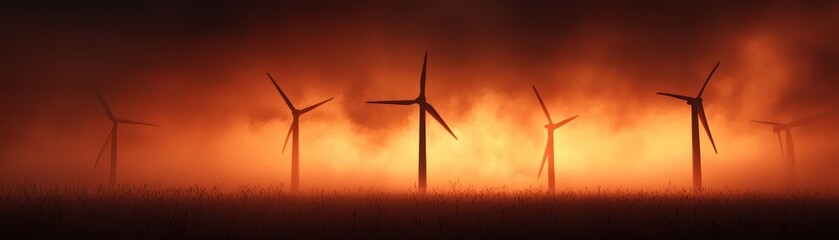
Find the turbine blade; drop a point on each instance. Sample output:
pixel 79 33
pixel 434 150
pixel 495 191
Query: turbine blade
pixel 287 102
pixel 563 122
pixel 288 135
pixel 430 110
pixel 103 149
pixel 705 124
pixel 544 158
pixel 686 98
pixel 706 80
pixel 810 119
pixel 544 108
pixel 781 143
pixel 126 121
pixel 422 76
pixel 770 123
pixel 395 102
pixel 305 110
pixel 104 103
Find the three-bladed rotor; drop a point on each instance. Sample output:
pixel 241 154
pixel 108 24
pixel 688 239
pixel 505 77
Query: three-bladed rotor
pixel 294 111
pixel 421 100
pixel 697 103
pixel 777 127
pixel 551 126
pixel 114 121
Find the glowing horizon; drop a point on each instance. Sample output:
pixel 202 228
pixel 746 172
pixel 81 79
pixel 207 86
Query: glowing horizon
pixel 222 121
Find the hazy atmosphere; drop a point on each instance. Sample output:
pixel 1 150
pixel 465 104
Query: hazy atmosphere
pixel 199 71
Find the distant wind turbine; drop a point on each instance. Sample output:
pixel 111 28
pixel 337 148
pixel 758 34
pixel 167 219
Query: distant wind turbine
pixel 697 111
pixel 113 136
pixel 424 107
pixel 790 152
pixel 549 147
pixel 294 131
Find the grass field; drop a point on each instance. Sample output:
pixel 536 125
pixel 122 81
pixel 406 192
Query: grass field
pixel 153 212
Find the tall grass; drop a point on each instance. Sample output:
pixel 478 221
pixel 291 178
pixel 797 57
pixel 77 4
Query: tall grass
pixel 33 210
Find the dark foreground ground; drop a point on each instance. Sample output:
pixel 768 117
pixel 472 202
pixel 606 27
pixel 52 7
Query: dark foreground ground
pixel 37 211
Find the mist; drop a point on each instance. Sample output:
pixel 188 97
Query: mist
pixel 199 71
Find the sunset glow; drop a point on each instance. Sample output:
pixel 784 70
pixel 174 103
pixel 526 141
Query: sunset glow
pixel 222 122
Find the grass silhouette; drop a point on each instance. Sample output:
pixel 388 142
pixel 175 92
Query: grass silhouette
pixel 30 210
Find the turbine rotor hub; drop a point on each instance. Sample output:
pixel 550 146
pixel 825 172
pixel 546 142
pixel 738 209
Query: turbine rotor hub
pixel 695 101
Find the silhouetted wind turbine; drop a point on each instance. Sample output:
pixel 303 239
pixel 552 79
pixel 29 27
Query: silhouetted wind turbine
pixel 549 147
pixel 697 111
pixel 295 130
pixel 790 152
pixel 424 107
pixel 113 136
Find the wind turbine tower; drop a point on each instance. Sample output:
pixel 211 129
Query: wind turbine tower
pixel 697 112
pixel 424 107
pixel 294 132
pixel 549 148
pixel 113 136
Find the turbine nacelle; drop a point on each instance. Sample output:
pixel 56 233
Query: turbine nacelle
pixel 780 128
pixel 695 101
pixel 554 126
pixel 689 100
pixel 776 127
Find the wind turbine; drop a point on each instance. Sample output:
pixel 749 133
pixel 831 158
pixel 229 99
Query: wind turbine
pixel 789 157
pixel 697 111
pixel 295 130
pixel 549 148
pixel 113 136
pixel 424 107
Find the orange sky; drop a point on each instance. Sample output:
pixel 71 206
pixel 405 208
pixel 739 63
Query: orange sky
pixel 199 71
